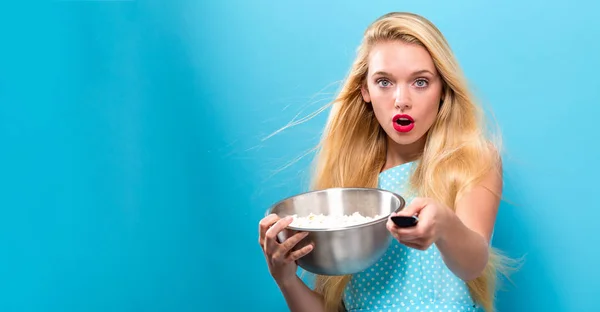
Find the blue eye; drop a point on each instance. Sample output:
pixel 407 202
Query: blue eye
pixel 384 83
pixel 421 83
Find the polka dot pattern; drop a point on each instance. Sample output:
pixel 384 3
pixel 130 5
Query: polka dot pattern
pixel 407 279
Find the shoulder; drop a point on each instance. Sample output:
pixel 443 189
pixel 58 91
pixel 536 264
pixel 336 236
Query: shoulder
pixel 493 175
pixel 477 207
pixel 494 152
pixel 480 164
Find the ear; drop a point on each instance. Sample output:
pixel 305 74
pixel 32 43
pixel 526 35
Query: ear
pixel 443 95
pixel 365 93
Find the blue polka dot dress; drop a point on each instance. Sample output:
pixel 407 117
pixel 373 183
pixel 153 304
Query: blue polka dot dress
pixel 407 279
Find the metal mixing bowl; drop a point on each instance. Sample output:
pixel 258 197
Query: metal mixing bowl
pixel 341 250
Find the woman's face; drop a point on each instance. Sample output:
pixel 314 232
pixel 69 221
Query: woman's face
pixel 404 88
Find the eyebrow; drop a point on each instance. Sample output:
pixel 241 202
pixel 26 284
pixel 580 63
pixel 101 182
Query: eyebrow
pixel 418 72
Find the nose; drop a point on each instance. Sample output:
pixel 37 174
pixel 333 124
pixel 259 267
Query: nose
pixel 401 98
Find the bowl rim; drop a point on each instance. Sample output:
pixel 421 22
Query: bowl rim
pixel 401 206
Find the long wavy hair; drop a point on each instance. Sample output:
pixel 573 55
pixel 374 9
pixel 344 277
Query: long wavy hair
pixel 458 151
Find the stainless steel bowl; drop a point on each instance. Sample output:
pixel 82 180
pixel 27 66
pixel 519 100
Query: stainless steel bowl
pixel 341 250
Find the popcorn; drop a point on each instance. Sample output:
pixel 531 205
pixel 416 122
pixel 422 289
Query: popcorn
pixel 320 221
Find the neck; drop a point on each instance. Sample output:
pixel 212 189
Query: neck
pixel 398 154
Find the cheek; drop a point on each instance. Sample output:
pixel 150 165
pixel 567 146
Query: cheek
pixel 431 113
pixel 430 109
pixel 382 104
pixel 381 97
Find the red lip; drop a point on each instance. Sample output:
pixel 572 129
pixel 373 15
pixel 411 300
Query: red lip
pixel 403 127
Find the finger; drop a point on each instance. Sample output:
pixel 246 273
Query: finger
pixel 413 208
pixel 271 234
pixel 390 225
pixel 264 225
pixel 409 234
pixel 420 243
pixel 289 243
pixel 293 256
pixel 407 238
pixel 413 244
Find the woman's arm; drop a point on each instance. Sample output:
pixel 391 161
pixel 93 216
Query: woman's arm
pixel 300 298
pixel 463 235
pixel 281 261
pixel 465 241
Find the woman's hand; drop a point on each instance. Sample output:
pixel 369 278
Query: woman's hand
pixel 281 262
pixel 433 218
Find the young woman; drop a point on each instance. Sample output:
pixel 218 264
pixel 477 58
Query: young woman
pixel 405 121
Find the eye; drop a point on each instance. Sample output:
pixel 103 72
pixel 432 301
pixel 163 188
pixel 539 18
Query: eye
pixel 384 83
pixel 421 83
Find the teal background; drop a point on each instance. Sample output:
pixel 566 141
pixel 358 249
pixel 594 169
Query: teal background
pixel 133 166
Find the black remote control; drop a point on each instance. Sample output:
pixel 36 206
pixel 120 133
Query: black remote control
pixel 403 221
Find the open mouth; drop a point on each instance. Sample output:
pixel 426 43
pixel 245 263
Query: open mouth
pixel 403 123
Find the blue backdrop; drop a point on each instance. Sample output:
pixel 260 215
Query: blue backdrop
pixel 133 166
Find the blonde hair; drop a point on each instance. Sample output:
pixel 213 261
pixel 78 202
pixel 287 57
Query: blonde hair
pixel 457 151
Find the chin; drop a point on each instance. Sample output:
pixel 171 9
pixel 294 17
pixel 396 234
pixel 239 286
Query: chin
pixel 408 138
